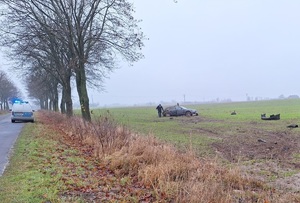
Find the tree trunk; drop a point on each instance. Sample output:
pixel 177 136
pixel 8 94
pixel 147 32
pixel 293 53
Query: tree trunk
pixel 50 105
pixel 67 92
pixel 6 106
pixel 82 92
pixel 55 100
pixel 55 104
pixel 42 103
pixel 46 100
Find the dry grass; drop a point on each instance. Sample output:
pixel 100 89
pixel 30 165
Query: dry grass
pixel 3 112
pixel 174 176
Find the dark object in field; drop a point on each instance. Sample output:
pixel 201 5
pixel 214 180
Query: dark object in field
pixel 261 140
pixel 272 117
pixel 292 126
pixel 179 111
pixel 233 113
pixel 159 109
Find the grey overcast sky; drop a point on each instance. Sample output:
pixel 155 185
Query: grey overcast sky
pixel 209 49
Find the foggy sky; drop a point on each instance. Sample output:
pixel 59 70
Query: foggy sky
pixel 201 50
pixel 211 49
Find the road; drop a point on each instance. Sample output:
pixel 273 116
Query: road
pixel 9 132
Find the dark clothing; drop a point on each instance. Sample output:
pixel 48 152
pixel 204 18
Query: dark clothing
pixel 159 109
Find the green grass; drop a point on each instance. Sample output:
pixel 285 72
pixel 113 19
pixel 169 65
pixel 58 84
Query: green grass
pixel 35 171
pixel 145 120
pixel 22 181
pixel 251 111
pixel 213 118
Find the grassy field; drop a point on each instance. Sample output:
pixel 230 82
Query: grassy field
pixel 28 177
pixel 54 158
pixel 214 121
pixel 45 168
pixel 266 149
pixel 246 111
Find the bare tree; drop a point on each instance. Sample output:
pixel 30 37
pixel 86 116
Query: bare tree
pixel 7 90
pixel 36 47
pixel 43 87
pixel 93 34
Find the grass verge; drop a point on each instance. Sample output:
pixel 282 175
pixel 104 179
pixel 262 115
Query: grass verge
pixel 68 160
pixel 28 178
pixel 47 166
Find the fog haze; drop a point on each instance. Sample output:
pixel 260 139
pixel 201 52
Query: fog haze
pixel 210 50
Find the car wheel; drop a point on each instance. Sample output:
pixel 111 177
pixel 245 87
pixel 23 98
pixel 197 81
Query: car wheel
pixel 166 114
pixel 13 121
pixel 188 113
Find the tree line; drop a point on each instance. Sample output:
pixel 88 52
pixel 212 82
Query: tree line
pixel 8 90
pixel 61 44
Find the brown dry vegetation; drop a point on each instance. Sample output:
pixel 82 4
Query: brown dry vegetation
pixel 154 171
pixel 3 112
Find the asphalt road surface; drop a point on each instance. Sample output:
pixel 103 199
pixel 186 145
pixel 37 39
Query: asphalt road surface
pixel 9 132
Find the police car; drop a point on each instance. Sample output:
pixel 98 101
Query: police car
pixel 21 111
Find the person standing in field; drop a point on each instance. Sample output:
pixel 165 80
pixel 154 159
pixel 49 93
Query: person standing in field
pixel 159 109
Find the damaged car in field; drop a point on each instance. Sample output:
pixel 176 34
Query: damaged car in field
pixel 179 111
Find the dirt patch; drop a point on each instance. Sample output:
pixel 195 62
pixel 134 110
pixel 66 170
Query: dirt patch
pixel 247 141
pixel 274 151
pixel 291 183
pixel 279 146
pixel 268 150
pixel 194 119
pixel 253 140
